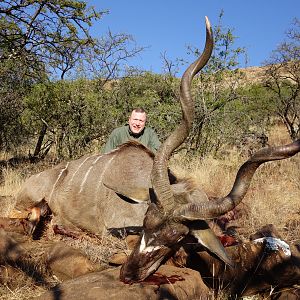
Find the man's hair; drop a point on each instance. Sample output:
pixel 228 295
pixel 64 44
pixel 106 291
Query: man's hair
pixel 139 110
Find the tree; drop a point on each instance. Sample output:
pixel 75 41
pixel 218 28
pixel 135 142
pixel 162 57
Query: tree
pixel 108 59
pixel 283 80
pixel 47 32
pixel 14 84
pixel 73 115
pixel 35 37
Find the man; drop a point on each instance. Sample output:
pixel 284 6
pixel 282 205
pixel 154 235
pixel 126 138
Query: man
pixel 134 130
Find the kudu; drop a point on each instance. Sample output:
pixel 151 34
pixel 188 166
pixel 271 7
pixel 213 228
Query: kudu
pixel 170 218
pixel 111 191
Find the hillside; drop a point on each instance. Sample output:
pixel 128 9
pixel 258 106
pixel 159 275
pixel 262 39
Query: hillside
pixel 254 74
pixel 287 71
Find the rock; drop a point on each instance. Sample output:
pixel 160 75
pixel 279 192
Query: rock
pixel 168 283
pixel 42 257
pixel 66 262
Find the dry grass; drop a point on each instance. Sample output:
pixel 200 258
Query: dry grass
pixel 13 181
pixel 27 290
pixel 273 197
pixel 98 250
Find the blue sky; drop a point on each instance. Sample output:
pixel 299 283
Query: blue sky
pixel 169 26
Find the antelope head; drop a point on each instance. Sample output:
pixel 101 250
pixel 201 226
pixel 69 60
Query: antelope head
pixel 172 216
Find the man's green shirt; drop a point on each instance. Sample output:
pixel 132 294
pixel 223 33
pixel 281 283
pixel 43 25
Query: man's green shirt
pixel 120 135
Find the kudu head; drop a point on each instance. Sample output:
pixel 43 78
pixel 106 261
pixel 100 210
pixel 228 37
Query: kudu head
pixel 168 219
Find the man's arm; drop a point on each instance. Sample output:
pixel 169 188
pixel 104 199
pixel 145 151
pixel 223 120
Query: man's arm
pixel 154 142
pixel 111 143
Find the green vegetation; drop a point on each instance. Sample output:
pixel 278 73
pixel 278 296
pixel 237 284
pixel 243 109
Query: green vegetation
pixel 62 91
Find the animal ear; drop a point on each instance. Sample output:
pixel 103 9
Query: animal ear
pixel 206 237
pixel 127 175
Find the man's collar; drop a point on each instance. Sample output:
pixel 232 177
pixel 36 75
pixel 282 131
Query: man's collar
pixel 135 135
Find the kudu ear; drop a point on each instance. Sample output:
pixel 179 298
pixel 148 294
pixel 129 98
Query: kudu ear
pixel 127 175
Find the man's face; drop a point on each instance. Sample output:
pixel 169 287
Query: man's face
pixel 137 122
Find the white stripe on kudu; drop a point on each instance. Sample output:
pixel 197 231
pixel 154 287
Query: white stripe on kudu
pixel 71 180
pixel 87 173
pixel 55 183
pixel 102 174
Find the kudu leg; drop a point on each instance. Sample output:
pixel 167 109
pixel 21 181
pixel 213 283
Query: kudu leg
pixel 23 225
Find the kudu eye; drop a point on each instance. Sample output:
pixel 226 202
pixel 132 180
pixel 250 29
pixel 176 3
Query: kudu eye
pixel 173 233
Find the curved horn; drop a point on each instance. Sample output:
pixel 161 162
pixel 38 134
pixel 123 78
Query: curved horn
pixel 159 175
pixel 243 179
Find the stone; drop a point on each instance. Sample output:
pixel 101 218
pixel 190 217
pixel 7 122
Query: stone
pixel 66 262
pixel 168 282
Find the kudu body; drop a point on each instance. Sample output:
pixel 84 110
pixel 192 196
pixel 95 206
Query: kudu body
pixel 98 192
pixel 113 190
pixel 94 192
